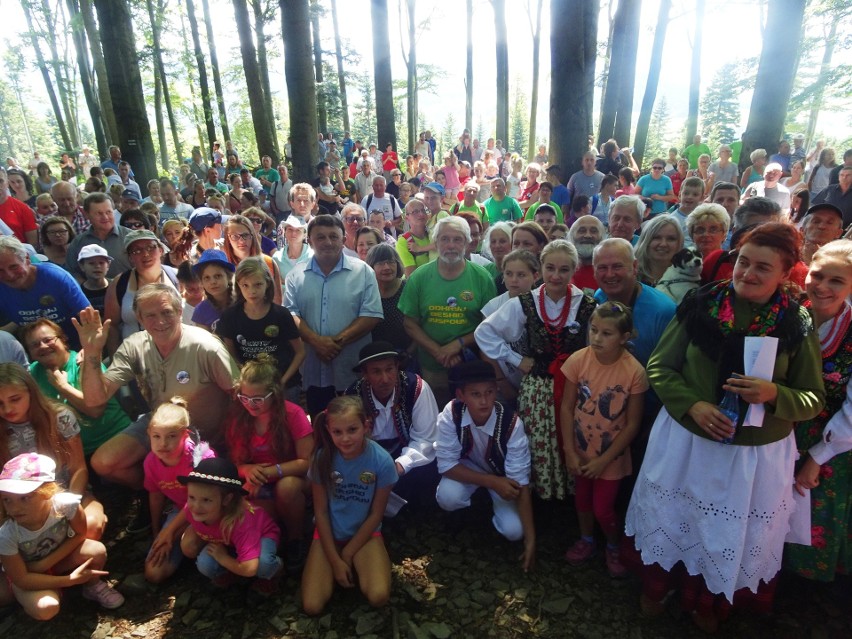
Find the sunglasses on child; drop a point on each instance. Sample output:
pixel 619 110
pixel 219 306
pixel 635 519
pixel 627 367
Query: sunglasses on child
pixel 254 402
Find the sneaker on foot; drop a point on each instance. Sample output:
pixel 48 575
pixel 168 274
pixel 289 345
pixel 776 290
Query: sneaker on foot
pixel 580 552
pixel 613 564
pixel 141 521
pixel 103 594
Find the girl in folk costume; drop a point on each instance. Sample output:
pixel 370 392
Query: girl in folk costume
pixel 555 318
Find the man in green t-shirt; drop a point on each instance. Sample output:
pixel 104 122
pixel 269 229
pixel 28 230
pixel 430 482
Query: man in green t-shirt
pixel 442 302
pixel 695 150
pixel 500 207
pixel 266 174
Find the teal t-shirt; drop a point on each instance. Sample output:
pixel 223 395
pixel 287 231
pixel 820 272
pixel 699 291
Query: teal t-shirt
pixel 267 174
pixel 446 309
pixel 506 210
pixel 93 431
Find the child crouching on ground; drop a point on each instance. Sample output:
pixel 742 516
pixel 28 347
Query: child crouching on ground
pixel 481 445
pixel 43 545
pixel 228 537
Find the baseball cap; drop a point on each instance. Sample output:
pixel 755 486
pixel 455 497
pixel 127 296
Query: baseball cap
pixel 25 473
pixel 436 187
pixel 825 206
pixel 140 235
pixel 130 194
pixel 93 250
pixel 203 217
pixel 294 222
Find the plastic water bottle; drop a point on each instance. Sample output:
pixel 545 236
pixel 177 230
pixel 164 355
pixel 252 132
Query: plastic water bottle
pixel 730 407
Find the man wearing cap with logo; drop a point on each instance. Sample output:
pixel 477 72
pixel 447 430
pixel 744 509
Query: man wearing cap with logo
pixel 433 198
pixel 822 224
pixel 129 200
pixel 102 231
pixel 335 302
pixel 207 224
pixel 29 290
pixel 166 358
pixel 404 415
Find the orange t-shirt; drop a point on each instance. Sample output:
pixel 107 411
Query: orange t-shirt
pixel 603 391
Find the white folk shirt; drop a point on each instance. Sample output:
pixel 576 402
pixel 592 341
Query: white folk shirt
pixel 420 450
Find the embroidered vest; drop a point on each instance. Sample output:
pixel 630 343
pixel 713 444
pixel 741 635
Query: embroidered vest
pixel 408 390
pixel 538 344
pixel 498 443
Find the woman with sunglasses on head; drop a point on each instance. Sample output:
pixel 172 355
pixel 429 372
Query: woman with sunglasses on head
pixel 260 220
pixel 241 241
pixel 135 220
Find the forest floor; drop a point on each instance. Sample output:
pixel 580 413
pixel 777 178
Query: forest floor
pixel 453 576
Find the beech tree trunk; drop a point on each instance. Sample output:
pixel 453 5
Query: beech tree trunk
pixel 86 79
pixel 774 84
pixel 125 84
pixel 301 91
pixel 263 65
pixel 104 97
pixel 536 33
pixel 59 73
pixel 572 62
pixel 188 59
pixel 385 125
pixel 652 83
pixel 824 68
pixel 202 77
pixel 158 118
pixel 322 111
pixel 411 72
pixel 156 17
pixel 341 77
pixel 261 119
pixel 695 75
pixel 217 79
pixel 502 50
pixel 468 74
pixel 617 108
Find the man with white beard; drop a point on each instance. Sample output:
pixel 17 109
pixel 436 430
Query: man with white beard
pixel 585 234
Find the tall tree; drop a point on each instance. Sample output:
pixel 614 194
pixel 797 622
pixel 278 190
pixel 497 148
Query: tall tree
pixel 411 88
pixel 64 85
pixel 774 83
pixel 572 81
pixel 158 118
pixel 14 67
pixel 125 84
pixel 301 91
pixel 261 118
pixel 652 83
pixel 214 67
pixel 617 111
pixel 45 74
pixel 695 74
pixel 536 35
pixel 86 79
pixel 260 19
pixel 341 76
pixel 322 113
pixel 603 81
pixel 468 69
pixel 202 77
pixel 382 78
pixel 502 50
pixel 99 64
pixel 155 15
pixel 720 109
pixel 188 60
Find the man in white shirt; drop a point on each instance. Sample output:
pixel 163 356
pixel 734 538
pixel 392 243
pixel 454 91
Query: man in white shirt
pixel 381 200
pixel 171 208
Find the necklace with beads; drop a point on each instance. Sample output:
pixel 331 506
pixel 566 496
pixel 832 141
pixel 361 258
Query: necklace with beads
pixel 836 332
pixel 554 326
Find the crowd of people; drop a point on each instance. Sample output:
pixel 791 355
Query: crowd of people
pixel 248 355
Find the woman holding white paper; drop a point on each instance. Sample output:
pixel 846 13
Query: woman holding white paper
pixel 825 467
pixel 711 517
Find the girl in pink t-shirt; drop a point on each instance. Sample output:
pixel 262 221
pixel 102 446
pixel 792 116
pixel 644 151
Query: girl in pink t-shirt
pixel 451 172
pixel 601 412
pixel 271 442
pixel 173 453
pixel 227 536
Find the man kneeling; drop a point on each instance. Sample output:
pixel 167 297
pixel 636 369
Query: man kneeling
pixel 482 445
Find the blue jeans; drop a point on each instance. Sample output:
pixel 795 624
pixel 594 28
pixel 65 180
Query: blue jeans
pixel 269 560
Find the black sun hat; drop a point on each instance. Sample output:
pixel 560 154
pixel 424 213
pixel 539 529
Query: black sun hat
pixel 373 351
pixel 216 471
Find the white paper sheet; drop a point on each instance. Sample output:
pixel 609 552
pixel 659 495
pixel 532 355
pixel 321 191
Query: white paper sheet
pixel 800 520
pixel 759 361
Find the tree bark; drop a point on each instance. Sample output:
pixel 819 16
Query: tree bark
pixel 606 62
pixel 695 74
pixel 45 74
pixel 411 88
pixel 502 50
pixel 7 132
pixel 652 83
pixel 214 65
pixel 261 119
pixel 301 92
pixel 156 16
pixel 202 77
pixel 572 81
pixel 536 33
pixel 158 118
pixel 263 65
pixel 125 84
pixel 187 61
pixel 468 74
pixel 774 83
pixel 341 78
pixel 617 108
pixel 383 79
pixel 322 111
pixel 99 64
pixel 824 68
pixel 86 79
pixel 62 83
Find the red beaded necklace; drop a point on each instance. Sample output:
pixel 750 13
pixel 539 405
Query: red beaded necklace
pixel 836 332
pixel 554 326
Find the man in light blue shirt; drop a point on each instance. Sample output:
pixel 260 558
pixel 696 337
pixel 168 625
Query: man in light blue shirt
pixel 335 302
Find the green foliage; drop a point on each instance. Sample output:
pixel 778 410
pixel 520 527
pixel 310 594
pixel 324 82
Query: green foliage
pixel 364 120
pixel 720 111
pixel 447 140
pixel 658 142
pixel 480 132
pixel 519 125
